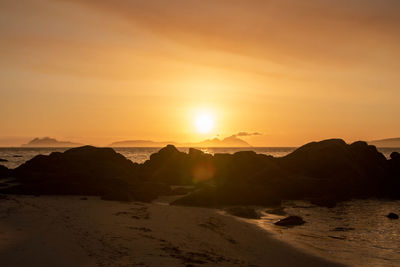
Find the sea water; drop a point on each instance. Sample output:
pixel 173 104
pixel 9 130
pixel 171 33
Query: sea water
pixel 355 232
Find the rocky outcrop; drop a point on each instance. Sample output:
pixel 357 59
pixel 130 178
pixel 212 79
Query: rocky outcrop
pixel 4 172
pixel 325 172
pixel 290 221
pixel 3 160
pixel 173 167
pixel 81 171
pixel 336 170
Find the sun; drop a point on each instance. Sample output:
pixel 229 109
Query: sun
pixel 204 123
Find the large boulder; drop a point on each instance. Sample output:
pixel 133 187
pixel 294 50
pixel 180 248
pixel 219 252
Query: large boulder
pixel 325 172
pixel 4 172
pixel 392 183
pixel 171 166
pixel 337 169
pixel 83 171
pixel 82 162
pixel 168 165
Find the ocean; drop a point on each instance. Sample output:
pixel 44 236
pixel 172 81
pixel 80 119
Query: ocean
pixel 354 232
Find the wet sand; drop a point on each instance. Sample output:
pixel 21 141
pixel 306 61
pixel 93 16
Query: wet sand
pixel 80 231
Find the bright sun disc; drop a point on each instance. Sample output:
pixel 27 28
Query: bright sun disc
pixel 204 123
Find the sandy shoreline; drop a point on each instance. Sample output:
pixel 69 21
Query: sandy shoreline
pixel 79 231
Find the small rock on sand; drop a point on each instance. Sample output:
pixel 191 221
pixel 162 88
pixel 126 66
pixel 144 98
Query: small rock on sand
pixel 393 216
pixel 290 221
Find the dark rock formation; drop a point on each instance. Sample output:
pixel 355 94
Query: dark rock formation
pixel 173 167
pixel 392 183
pixel 395 155
pixel 243 212
pixel 392 216
pixel 290 221
pixel 324 172
pixel 180 191
pixel 83 162
pixel 3 160
pixel 337 170
pixel 4 172
pixel 82 171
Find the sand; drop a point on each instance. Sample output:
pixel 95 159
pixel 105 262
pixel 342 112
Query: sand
pixel 80 231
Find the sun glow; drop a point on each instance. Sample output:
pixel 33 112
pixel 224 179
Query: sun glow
pixel 204 123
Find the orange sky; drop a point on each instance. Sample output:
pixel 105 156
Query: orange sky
pixel 295 71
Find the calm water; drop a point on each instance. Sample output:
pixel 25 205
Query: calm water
pixel 355 232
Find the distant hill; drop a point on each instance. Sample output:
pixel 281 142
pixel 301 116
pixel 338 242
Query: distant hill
pixel 389 142
pixel 231 141
pixel 50 142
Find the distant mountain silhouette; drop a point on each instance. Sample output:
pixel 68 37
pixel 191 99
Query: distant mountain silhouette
pixel 50 142
pixel 389 142
pixel 231 141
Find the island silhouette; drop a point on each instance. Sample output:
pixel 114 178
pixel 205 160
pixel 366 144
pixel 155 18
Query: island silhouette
pixel 50 142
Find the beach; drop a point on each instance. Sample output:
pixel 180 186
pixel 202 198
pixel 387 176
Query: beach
pixel 88 231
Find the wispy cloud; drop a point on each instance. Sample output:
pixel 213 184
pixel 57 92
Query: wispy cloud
pixel 245 134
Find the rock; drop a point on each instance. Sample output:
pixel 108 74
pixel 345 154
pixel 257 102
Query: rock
pixel 84 162
pixel 180 191
pixel 3 160
pixel 4 172
pixel 290 221
pixel 169 166
pixel 334 168
pixel 395 155
pixel 276 211
pixel 343 229
pixel 393 216
pixel 243 212
pixel 85 170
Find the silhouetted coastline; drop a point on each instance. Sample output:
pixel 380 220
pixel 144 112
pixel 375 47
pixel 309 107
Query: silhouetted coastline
pixel 324 172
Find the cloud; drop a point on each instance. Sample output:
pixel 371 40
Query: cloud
pixel 286 31
pixel 244 134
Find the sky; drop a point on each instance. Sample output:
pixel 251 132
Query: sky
pixel 294 71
